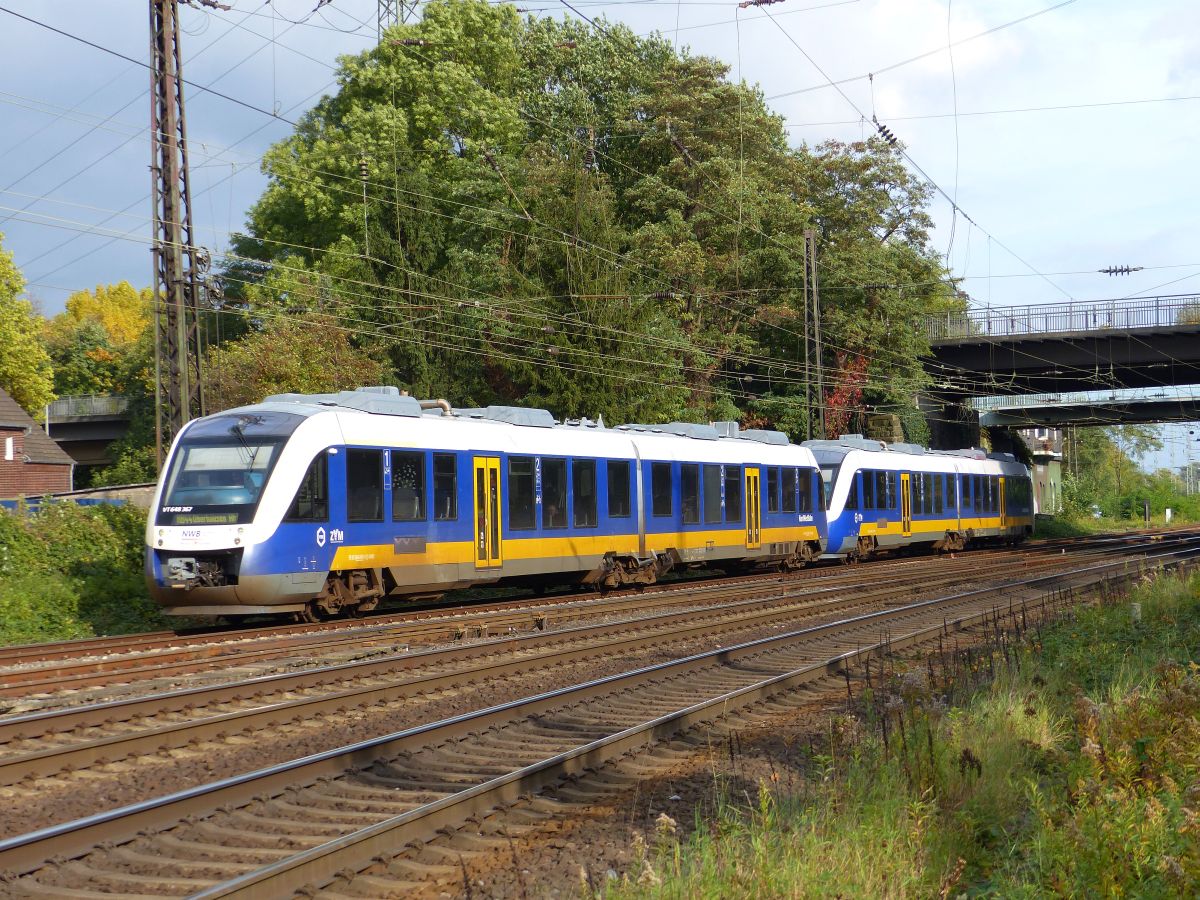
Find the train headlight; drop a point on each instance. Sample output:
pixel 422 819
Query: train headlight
pixel 160 542
pixel 236 541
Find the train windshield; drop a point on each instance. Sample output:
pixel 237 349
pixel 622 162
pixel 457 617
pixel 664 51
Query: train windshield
pixel 220 468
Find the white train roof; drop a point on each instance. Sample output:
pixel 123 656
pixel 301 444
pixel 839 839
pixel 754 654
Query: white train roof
pixel 385 416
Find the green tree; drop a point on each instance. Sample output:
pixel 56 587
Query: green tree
pixel 25 371
pixel 286 356
pixel 89 341
pixel 572 216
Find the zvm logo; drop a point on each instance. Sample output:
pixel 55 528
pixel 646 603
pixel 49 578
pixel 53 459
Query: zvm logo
pixel 320 537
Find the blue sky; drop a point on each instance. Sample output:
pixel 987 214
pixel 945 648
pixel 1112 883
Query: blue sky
pixel 1072 148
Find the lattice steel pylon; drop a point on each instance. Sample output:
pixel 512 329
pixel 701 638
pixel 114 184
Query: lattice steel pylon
pixel 394 12
pixel 179 391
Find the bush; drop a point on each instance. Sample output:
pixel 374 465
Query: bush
pixel 69 571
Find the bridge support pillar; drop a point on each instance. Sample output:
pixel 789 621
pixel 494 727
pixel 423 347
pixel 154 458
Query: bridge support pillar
pixel 952 424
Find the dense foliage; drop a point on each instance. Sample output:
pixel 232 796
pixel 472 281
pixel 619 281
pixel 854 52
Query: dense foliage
pixel 574 217
pixel 68 571
pixel 25 371
pixel 1102 476
pixel 92 342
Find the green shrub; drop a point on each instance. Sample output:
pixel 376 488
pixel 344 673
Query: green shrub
pixel 70 571
pixel 40 607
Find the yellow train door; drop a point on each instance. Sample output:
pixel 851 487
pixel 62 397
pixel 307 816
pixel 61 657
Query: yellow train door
pixel 753 511
pixel 488 552
pixel 905 504
pixel 1003 514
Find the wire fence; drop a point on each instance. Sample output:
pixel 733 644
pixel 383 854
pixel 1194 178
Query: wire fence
pixel 1055 318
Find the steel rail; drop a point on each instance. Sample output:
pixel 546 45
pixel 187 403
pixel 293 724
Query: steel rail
pixel 101 672
pixel 317 866
pixel 56 721
pixel 54 651
pixel 27 852
pixel 653 630
pixel 22 654
pixel 19 654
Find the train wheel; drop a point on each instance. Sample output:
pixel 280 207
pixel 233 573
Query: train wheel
pixel 309 615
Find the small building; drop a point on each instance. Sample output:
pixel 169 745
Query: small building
pixel 1045 446
pixel 30 463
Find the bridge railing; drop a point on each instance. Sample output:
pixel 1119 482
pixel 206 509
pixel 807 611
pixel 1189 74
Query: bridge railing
pixel 1091 315
pixel 1182 394
pixel 99 405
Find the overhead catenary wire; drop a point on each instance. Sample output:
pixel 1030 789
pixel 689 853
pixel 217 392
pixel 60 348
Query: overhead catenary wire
pixel 908 157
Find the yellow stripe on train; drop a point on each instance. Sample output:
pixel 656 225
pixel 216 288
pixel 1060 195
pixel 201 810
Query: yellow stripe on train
pixel 411 552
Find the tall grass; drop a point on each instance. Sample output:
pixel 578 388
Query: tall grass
pixel 1074 772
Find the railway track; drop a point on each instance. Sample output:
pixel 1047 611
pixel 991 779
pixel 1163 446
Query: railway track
pixel 38 746
pixel 30 681
pixel 57 651
pixel 215 641
pixel 270 832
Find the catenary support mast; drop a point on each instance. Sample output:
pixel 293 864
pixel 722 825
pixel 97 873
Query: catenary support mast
pixel 179 394
pixel 395 12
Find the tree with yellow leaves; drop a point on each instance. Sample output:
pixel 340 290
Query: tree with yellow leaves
pixel 90 340
pixel 25 371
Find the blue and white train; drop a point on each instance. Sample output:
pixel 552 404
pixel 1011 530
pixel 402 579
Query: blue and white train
pixel 324 504
pixel 882 497
pixel 321 504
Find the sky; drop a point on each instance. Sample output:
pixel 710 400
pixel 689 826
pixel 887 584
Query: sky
pixel 1061 135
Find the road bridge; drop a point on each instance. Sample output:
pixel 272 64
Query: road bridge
pixel 1089 408
pixel 1149 342
pixel 86 427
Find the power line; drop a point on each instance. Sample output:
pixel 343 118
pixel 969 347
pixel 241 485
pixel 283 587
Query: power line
pixel 145 65
pixel 903 152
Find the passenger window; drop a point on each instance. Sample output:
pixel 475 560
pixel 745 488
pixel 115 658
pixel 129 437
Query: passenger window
pixel 445 487
pixel 806 490
pixel 881 491
pixel 789 488
pixel 311 503
pixel 364 485
pixel 868 489
pixel 689 491
pixel 660 489
pixel 520 493
pixel 712 494
pixel 583 481
pixel 733 493
pixel 772 489
pixel 554 493
pixel 618 489
pixel 408 486
pixel 938 485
